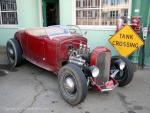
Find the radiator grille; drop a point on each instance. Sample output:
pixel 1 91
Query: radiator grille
pixel 103 63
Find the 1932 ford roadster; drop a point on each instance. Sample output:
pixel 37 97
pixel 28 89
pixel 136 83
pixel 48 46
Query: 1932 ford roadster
pixel 65 52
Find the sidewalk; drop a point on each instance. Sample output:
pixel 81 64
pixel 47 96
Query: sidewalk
pixel 30 89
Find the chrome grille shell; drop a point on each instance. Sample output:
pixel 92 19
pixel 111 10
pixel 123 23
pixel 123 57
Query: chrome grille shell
pixel 103 63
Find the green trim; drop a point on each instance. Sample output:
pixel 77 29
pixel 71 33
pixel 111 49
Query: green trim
pixel 44 14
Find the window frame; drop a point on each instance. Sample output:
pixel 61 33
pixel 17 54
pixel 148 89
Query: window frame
pixel 95 27
pixel 8 25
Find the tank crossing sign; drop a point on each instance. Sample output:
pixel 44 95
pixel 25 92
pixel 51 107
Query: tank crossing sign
pixel 126 41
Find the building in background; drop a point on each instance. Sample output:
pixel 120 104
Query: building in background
pixel 8 13
pixel 97 17
pixel 101 12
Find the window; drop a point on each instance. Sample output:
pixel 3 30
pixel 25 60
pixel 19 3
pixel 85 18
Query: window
pixel 100 12
pixel 8 12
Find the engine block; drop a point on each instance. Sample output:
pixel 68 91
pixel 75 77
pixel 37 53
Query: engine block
pixel 79 56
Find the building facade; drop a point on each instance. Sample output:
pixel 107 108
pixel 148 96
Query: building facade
pixel 97 17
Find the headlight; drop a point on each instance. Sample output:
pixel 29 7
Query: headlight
pixel 122 65
pixel 94 71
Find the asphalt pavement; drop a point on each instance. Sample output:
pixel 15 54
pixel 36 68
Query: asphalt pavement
pixel 30 89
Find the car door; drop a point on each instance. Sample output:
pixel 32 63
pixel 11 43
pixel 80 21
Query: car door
pixel 51 55
pixel 36 49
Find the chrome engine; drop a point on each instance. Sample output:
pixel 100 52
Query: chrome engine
pixel 79 56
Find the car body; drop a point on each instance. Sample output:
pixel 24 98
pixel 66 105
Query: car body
pixel 65 52
pixel 46 51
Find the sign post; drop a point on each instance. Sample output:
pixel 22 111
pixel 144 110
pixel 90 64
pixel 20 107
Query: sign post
pixel 126 41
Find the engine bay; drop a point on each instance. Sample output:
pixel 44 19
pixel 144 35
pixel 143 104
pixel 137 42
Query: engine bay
pixel 80 56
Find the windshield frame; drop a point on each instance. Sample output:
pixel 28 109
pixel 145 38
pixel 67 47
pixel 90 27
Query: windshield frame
pixel 51 31
pixel 52 35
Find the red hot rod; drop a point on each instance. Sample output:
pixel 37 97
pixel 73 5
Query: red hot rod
pixel 65 52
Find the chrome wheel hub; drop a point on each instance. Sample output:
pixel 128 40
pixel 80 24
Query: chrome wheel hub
pixel 11 51
pixel 69 85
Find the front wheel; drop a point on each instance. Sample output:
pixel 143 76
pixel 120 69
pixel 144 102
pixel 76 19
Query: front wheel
pixel 125 75
pixel 72 84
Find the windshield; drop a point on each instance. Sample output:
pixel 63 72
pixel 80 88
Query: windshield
pixel 59 30
pixel 55 31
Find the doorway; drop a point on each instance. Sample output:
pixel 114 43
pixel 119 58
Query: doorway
pixel 50 12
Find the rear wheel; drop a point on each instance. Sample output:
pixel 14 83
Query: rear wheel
pixel 125 75
pixel 14 52
pixel 72 84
